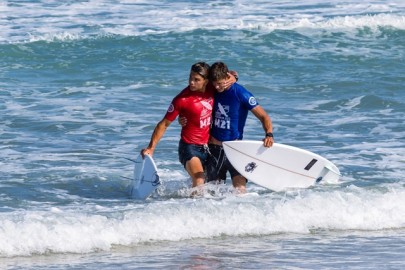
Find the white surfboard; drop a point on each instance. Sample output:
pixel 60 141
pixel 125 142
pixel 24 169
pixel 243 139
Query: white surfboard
pixel 146 179
pixel 281 166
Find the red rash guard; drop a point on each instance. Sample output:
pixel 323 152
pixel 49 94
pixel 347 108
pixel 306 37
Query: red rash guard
pixel 197 108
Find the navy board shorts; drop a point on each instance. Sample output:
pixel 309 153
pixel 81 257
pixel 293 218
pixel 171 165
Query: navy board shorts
pixel 218 165
pixel 188 151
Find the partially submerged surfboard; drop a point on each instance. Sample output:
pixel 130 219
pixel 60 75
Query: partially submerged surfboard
pixel 281 166
pixel 146 179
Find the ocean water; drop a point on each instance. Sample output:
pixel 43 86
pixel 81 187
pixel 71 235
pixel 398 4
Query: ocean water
pixel 83 83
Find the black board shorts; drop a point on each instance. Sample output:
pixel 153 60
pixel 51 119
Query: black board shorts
pixel 188 151
pixel 218 165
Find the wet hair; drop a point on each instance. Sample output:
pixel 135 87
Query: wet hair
pixel 218 71
pixel 201 68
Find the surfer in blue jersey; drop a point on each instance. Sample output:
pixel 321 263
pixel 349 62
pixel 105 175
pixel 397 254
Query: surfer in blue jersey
pixel 231 107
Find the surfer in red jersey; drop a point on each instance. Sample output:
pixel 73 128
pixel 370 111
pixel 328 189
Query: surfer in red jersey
pixel 195 103
pixel 230 111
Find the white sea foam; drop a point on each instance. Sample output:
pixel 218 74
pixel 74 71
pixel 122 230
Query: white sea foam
pixel 68 230
pixel 35 22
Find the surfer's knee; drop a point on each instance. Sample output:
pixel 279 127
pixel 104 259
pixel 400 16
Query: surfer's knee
pixel 196 171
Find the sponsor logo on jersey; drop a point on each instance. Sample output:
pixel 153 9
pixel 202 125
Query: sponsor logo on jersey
pixel 207 105
pixel 206 110
pixel 171 108
pixel 222 120
pixel 252 101
pixel 205 122
pixel 223 110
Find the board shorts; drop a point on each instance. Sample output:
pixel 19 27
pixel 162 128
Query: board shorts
pixel 218 165
pixel 188 151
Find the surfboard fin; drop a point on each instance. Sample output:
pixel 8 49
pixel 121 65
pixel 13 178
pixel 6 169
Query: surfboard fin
pixel 329 175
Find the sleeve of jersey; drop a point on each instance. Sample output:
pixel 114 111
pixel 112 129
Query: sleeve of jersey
pixel 173 110
pixel 247 98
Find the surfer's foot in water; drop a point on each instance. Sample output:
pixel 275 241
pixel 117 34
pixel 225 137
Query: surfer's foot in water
pixel 239 183
pixel 240 190
pixel 197 191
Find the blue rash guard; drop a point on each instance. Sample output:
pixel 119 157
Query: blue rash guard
pixel 231 108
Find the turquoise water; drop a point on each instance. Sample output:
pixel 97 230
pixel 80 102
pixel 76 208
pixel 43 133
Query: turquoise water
pixel 83 83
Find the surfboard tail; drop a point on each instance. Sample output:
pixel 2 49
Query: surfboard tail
pixel 146 178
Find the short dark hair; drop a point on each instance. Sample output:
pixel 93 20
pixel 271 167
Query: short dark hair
pixel 201 68
pixel 218 71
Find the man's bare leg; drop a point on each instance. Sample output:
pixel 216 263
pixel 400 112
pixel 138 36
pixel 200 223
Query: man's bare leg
pixel 239 183
pixel 196 171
